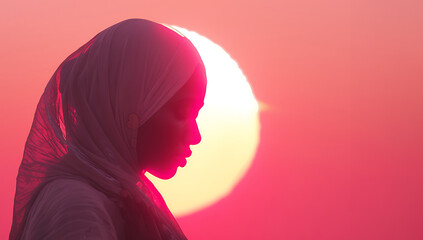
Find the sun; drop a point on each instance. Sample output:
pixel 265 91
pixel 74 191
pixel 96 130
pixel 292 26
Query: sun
pixel 229 126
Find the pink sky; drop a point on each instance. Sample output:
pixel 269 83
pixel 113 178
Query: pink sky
pixel 341 150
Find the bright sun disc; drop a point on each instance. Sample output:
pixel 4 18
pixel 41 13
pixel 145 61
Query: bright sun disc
pixel 229 126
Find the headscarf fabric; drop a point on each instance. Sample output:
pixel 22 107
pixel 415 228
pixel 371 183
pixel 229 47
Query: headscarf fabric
pixel 86 121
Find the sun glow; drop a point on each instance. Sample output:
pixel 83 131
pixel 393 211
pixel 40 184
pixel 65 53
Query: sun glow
pixel 229 125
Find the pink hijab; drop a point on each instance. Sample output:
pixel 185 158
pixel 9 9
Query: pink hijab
pixel 86 122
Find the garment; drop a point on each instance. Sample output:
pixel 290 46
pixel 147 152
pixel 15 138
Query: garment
pixel 72 209
pixel 85 131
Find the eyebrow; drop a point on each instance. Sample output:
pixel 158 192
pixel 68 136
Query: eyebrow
pixel 190 101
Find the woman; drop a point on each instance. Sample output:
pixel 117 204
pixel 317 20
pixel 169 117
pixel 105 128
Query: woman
pixel 122 104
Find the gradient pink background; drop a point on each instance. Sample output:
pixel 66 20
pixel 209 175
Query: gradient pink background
pixel 341 149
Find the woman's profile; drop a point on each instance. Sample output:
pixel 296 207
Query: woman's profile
pixel 124 103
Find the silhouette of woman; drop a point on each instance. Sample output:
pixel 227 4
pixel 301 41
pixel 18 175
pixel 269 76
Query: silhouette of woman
pixel 124 103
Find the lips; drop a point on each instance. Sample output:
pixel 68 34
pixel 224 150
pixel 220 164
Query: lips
pixel 183 162
pixel 188 154
pixel 184 157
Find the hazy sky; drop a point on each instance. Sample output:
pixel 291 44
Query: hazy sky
pixel 341 153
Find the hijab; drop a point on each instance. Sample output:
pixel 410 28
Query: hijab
pixel 86 121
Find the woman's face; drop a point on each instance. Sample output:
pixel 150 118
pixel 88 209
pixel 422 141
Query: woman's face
pixel 164 141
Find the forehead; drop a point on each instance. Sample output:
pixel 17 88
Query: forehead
pixel 194 89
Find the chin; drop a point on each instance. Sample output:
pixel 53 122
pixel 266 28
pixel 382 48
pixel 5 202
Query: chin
pixel 163 174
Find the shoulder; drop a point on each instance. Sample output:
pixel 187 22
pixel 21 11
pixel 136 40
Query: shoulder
pixel 72 209
pixel 72 192
pixel 73 196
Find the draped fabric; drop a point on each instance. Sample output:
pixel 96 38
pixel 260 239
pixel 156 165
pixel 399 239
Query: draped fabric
pixel 86 123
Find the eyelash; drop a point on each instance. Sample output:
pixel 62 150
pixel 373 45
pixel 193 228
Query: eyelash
pixel 184 113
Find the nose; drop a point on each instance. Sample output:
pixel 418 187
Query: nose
pixel 196 136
